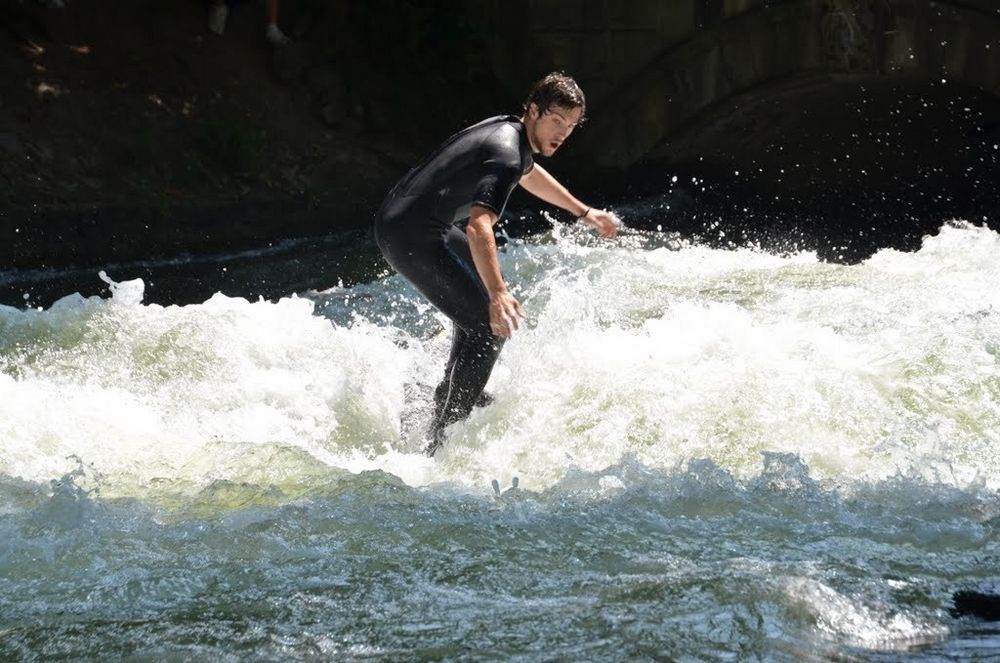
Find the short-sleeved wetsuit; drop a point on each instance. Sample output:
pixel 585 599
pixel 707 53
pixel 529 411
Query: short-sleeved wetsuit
pixel 416 232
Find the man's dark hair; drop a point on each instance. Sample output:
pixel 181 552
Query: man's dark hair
pixel 557 89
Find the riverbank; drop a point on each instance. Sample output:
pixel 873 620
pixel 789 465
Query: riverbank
pixel 129 132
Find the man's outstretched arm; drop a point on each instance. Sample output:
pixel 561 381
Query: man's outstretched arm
pixel 540 183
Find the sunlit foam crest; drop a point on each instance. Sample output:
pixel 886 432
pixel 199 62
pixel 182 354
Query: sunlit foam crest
pixel 848 619
pixel 665 352
pixel 146 389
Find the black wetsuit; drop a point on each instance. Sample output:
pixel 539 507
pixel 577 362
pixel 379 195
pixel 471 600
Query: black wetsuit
pixel 416 232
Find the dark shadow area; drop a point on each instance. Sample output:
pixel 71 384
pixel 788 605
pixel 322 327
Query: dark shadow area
pixel 274 271
pixel 843 167
pixel 132 138
pixel 129 131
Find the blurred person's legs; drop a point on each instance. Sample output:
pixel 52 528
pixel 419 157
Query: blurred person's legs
pixel 217 16
pixel 273 33
pixel 219 13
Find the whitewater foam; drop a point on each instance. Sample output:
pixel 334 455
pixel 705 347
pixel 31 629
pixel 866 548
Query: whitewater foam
pixel 665 354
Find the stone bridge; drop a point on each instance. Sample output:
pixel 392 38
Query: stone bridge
pixel 654 70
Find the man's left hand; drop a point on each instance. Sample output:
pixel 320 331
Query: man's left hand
pixel 604 222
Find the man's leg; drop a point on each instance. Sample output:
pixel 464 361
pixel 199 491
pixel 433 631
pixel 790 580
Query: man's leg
pixel 474 350
pixel 273 33
pixel 458 339
pixel 443 271
pixel 473 355
pixel 217 16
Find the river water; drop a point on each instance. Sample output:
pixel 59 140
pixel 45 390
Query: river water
pixel 718 455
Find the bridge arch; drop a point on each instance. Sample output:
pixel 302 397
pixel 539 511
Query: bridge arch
pixel 652 69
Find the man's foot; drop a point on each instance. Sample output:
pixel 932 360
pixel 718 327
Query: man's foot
pixel 274 35
pixel 217 16
pixel 436 433
pixel 437 440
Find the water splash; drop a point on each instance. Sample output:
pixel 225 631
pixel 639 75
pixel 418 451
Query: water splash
pixel 665 352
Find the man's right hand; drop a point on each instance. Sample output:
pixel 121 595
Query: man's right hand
pixel 505 314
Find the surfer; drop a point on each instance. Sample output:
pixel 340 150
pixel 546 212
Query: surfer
pixel 466 182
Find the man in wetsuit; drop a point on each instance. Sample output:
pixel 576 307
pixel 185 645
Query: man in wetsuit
pixel 471 176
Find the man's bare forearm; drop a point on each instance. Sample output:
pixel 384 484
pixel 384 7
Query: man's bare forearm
pixel 483 246
pixel 540 183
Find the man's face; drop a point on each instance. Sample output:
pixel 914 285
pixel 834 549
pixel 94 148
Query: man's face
pixel 547 130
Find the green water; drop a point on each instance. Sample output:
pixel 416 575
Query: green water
pixel 721 455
